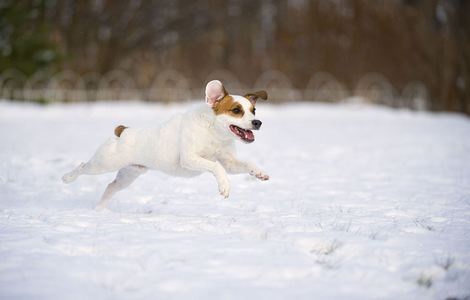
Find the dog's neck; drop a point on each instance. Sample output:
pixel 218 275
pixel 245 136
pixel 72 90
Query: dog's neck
pixel 217 130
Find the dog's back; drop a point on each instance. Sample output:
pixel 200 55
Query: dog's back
pixel 155 148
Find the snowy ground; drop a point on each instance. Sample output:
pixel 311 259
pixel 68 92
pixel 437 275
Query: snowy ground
pixel 363 203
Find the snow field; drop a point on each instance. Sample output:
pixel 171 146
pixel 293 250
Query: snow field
pixel 363 202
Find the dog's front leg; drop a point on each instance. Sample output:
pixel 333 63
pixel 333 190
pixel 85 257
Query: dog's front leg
pixel 235 166
pixel 198 163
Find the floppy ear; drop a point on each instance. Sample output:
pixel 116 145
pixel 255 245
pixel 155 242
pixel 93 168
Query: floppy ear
pixel 253 97
pixel 214 92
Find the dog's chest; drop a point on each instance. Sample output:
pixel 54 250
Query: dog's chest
pixel 211 149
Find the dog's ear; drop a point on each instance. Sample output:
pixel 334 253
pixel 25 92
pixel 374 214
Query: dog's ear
pixel 253 97
pixel 215 91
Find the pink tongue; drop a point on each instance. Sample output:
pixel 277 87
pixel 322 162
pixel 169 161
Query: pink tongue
pixel 249 135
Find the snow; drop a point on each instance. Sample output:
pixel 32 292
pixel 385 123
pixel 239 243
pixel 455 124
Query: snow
pixel 364 202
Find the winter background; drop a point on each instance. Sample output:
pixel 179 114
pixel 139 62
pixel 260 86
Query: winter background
pixel 366 138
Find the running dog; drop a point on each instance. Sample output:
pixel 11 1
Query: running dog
pixel 200 140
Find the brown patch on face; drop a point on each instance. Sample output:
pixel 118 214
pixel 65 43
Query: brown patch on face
pixel 252 109
pixel 228 106
pixel 118 130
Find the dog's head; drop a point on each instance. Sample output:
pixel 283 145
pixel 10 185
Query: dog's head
pixel 234 114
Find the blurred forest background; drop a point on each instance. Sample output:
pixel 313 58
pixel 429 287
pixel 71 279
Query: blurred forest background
pixel 403 53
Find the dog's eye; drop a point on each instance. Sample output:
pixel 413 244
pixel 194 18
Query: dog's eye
pixel 236 111
pixel 254 111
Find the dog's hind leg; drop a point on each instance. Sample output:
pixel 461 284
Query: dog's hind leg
pixel 109 157
pixel 72 175
pixel 90 168
pixel 124 178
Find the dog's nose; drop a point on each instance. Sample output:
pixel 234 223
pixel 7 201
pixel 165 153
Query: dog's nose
pixel 256 124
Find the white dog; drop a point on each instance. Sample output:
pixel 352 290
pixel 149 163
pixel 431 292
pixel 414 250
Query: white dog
pixel 201 140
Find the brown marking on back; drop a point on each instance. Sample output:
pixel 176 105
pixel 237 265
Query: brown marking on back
pixel 227 105
pixel 118 130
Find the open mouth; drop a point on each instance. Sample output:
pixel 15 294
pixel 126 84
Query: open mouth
pixel 246 135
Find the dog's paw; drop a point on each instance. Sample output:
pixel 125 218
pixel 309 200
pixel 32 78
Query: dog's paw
pixel 224 188
pixel 260 175
pixel 224 193
pixel 69 177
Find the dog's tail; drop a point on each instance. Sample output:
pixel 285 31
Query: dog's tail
pixel 118 130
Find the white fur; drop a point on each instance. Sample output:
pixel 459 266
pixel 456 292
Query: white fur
pixel 186 145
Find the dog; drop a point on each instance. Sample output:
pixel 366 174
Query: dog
pixel 200 140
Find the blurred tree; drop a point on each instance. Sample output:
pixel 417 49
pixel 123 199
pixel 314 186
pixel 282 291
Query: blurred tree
pixel 26 41
pixel 406 41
